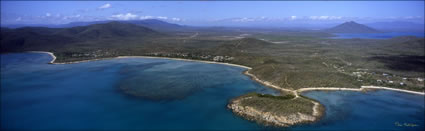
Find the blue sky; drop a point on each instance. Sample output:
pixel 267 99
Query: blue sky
pixel 212 12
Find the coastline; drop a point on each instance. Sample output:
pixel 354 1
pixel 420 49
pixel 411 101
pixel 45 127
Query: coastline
pixel 46 52
pixel 317 111
pixel 358 89
pixel 253 77
pixel 268 84
pixel 150 57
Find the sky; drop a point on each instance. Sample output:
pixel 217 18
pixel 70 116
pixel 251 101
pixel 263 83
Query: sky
pixel 212 12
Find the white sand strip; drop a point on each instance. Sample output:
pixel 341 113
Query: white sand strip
pixel 266 83
pixel 316 108
pixel 50 53
pixel 74 62
pixel 359 89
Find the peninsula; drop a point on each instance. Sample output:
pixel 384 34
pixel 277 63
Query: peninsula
pixel 288 109
pixel 290 62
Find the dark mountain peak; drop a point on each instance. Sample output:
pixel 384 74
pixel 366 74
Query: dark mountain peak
pixel 149 23
pixel 113 24
pixel 50 38
pixel 107 30
pixel 351 23
pixel 156 24
pixel 351 27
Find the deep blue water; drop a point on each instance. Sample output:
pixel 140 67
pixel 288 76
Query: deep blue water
pixel 141 93
pixel 191 95
pixel 387 35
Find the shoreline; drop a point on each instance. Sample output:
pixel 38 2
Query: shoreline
pixel 317 113
pixel 357 89
pixel 46 52
pixel 150 57
pixel 252 76
pixel 268 84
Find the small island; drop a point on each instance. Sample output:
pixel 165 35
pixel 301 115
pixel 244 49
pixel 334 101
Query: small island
pixel 286 110
pixel 290 62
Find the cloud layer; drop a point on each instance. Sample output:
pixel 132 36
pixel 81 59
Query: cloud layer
pixel 131 16
pixel 105 6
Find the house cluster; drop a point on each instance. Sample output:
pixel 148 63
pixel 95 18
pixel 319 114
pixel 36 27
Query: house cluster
pixel 359 74
pixel 194 56
pixel 222 58
pixel 95 54
pixel 390 82
pixel 402 83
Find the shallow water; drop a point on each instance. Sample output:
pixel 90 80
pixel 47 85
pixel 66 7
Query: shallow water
pixel 375 110
pixel 387 35
pixel 143 93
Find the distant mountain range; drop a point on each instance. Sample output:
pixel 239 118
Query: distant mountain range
pixel 394 26
pixel 150 23
pixel 48 38
pixel 351 27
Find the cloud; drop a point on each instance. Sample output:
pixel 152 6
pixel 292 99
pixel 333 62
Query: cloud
pixel 105 6
pixel 325 17
pixel 146 17
pixel 412 17
pixel 293 17
pixel 128 16
pixel 18 19
pixel 162 17
pixel 245 19
pixel 48 14
pixel 175 19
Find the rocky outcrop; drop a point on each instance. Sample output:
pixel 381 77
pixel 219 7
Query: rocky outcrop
pixel 270 118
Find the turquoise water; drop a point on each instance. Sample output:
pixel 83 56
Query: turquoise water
pixel 387 35
pixel 376 110
pixel 141 93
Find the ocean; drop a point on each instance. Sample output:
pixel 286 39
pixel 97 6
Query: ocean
pixel 146 93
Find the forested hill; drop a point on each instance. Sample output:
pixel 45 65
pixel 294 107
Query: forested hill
pixel 41 38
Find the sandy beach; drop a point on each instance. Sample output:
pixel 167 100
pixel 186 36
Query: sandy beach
pixel 297 92
pixel 50 53
pixel 358 89
pixel 266 83
pixel 152 57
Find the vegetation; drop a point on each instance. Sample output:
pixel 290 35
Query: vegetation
pixel 279 105
pixel 285 97
pixel 286 58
